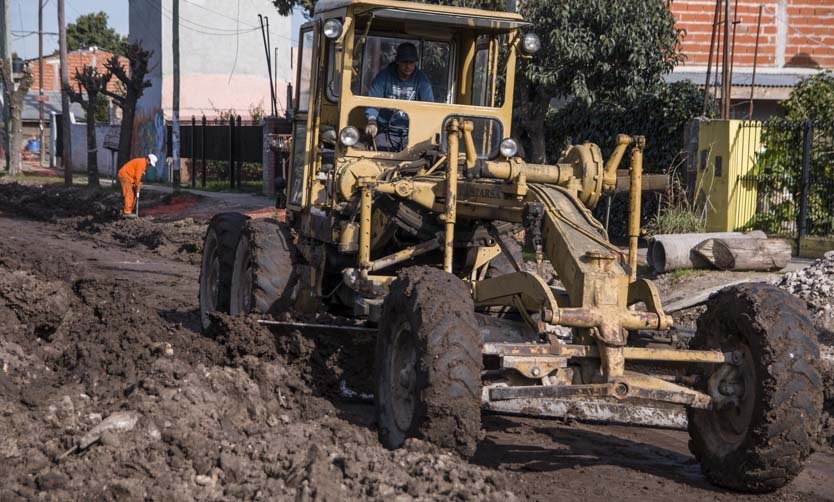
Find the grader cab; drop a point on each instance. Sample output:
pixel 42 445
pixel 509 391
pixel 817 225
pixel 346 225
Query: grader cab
pixel 411 231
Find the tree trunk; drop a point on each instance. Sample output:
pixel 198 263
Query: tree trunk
pixel 16 136
pixel 126 130
pixel 751 254
pixel 92 151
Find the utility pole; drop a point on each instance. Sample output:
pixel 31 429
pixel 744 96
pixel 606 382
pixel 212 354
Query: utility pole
pixel 175 133
pixel 40 79
pixel 66 155
pixel 6 55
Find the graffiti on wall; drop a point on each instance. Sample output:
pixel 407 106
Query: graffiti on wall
pixel 149 137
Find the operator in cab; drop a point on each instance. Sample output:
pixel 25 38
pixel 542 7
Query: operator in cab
pixel 400 80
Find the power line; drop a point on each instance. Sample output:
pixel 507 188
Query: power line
pixel 215 12
pixel 226 33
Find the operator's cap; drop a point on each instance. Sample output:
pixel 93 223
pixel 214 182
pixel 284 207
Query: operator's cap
pixel 152 159
pixel 406 53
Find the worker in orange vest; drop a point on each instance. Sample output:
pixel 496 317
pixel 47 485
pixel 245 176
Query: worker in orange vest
pixel 130 177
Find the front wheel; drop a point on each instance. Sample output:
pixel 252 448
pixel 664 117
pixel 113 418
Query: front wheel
pixel 264 277
pixel 768 407
pixel 428 362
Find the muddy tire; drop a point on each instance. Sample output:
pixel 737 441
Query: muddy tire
pixel 219 247
pixel 428 362
pixel 263 278
pixel 759 441
pixel 502 264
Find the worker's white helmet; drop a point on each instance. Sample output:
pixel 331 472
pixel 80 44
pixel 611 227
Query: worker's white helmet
pixel 152 159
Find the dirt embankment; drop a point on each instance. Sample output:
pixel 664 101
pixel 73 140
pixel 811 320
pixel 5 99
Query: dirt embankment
pixel 227 415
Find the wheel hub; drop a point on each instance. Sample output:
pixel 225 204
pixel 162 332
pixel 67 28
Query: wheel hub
pixel 732 390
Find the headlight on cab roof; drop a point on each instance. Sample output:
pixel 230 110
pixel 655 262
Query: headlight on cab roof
pixel 332 28
pixel 349 136
pixel 531 44
pixel 508 148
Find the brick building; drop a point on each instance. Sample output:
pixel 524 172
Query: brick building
pixel 52 85
pixel 796 40
pixel 75 60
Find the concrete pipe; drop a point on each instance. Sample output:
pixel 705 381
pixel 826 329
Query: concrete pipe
pixel 669 252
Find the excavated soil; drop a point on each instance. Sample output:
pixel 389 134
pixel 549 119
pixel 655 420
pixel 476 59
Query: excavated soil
pixel 108 389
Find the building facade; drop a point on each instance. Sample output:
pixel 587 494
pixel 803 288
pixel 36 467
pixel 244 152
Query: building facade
pixel 222 58
pixel 796 39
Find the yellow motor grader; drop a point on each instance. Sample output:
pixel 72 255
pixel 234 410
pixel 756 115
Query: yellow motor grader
pixel 409 227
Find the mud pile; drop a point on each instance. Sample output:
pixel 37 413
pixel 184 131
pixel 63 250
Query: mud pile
pixel 231 415
pixel 96 214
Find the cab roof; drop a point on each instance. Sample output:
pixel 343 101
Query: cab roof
pixel 438 14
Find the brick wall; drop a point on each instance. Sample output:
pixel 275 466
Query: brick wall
pixel 793 32
pixel 75 59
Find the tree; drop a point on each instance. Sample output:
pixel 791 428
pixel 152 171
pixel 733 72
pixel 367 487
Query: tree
pixel 91 30
pixel 14 97
pixel 134 83
pixel 93 82
pixel 593 50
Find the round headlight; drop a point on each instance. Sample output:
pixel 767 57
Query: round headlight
pixel 531 43
pixel 349 136
pixel 332 28
pixel 508 148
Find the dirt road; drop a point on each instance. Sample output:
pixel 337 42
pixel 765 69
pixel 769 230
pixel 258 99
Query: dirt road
pixel 99 315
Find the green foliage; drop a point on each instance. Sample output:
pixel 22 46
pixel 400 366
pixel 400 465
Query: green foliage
pixel 660 115
pixel 91 30
pixel 812 99
pixel 602 49
pixel 676 220
pixel 779 163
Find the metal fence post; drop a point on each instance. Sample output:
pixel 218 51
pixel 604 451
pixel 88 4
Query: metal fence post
pixel 193 157
pixel 239 152
pixel 232 151
pixel 804 181
pixel 203 149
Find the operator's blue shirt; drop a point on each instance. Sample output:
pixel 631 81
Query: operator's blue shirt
pixel 387 84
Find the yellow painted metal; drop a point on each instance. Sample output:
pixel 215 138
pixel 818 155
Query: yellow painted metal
pixel 634 194
pixel 404 254
pixel 469 144
pixel 480 257
pixel 727 150
pixel 609 179
pixel 365 227
pixel 451 203
pixel 652 354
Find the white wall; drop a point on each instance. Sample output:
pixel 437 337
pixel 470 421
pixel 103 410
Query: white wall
pixel 106 162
